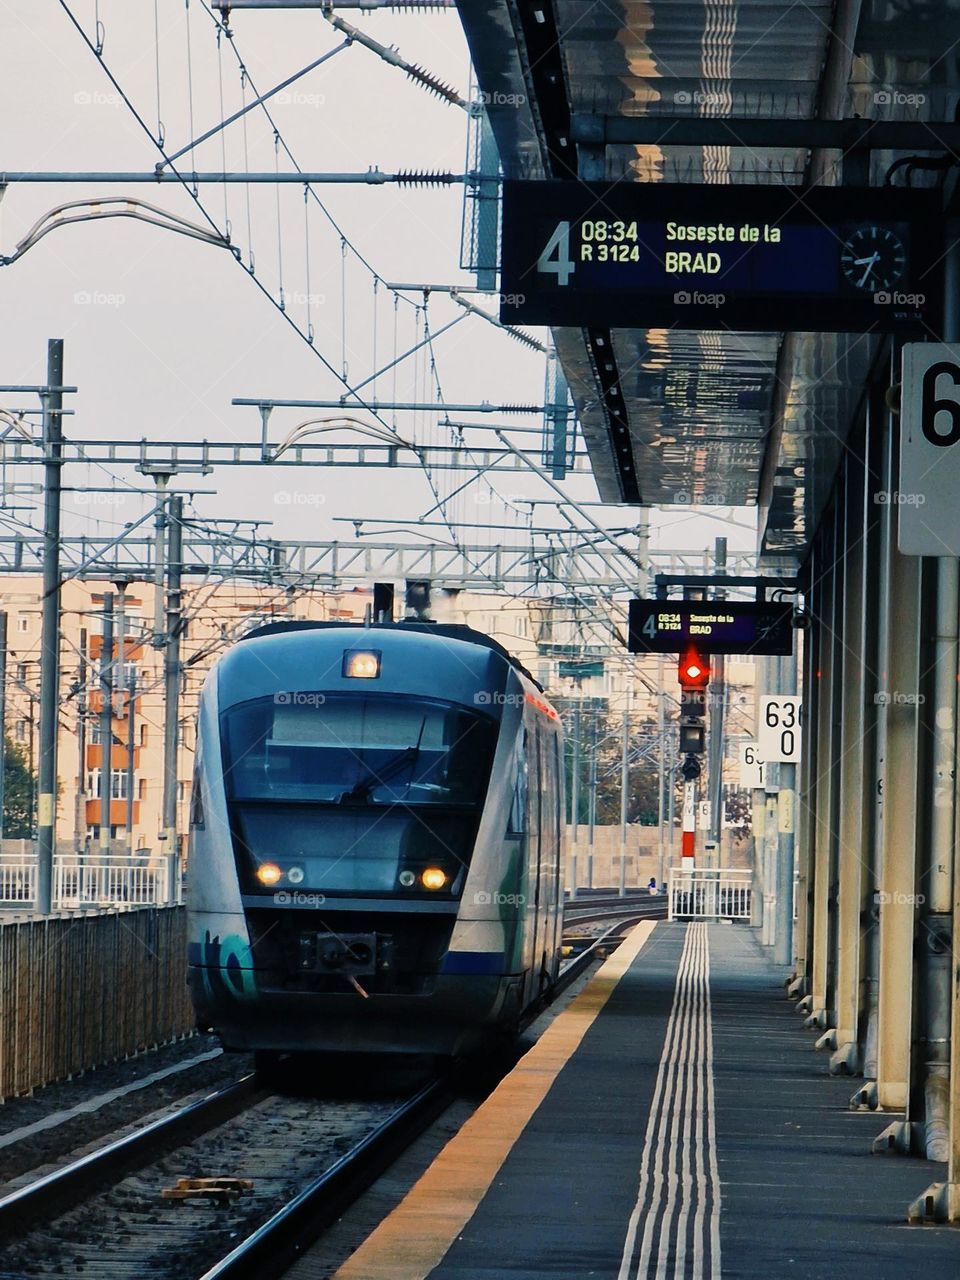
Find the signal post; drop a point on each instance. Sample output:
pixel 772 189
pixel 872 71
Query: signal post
pixel 693 673
pixel 696 630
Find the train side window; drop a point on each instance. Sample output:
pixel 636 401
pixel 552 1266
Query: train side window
pixel 517 823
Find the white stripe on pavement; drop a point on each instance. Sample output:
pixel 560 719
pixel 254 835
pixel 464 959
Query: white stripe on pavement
pixel 679 1179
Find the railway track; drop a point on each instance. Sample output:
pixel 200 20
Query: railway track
pixel 104 1214
pixel 643 906
pixel 65 1186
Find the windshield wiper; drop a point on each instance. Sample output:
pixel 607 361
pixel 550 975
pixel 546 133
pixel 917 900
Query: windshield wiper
pixel 360 791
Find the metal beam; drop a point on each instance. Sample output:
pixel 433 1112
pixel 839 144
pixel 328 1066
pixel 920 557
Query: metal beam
pixel 725 580
pixel 406 406
pixel 37 391
pixel 173 678
pixel 701 131
pixel 826 688
pixel 367 177
pixel 395 6
pixel 854 783
pixel 50 632
pixel 942 997
pixel 258 101
pixel 547 564
pixel 106 723
pixel 799 987
pixel 786 834
pixel 900 605
pixel 200 455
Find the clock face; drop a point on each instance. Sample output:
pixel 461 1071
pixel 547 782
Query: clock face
pixel 873 258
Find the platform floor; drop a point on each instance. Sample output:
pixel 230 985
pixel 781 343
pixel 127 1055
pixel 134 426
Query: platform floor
pixel 674 1121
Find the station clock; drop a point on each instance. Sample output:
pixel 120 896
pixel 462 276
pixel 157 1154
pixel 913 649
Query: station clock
pixel 873 258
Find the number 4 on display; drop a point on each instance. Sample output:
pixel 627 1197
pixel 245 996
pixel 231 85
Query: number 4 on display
pixel 562 266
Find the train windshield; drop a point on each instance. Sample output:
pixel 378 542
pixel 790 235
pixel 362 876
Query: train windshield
pixel 354 793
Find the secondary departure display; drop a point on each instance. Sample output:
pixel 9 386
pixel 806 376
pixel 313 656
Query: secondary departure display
pixel 718 626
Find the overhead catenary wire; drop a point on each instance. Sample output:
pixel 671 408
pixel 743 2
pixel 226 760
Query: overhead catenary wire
pixel 189 71
pixel 306 257
pixel 223 136
pixel 194 195
pixel 375 283
pixel 276 160
pixel 344 241
pixel 316 198
pixel 246 169
pixel 156 61
pixel 343 309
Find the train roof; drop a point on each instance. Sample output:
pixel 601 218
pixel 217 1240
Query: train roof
pixel 449 630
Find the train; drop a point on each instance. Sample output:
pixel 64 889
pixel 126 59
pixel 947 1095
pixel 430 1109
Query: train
pixel 376 842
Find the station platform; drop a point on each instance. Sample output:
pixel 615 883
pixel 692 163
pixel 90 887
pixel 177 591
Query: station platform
pixel 673 1121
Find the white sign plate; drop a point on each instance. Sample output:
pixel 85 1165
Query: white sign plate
pixel 751 765
pixel 928 512
pixel 778 736
pixel 703 815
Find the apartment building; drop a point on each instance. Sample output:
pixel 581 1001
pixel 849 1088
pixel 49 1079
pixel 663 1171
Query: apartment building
pixel 566 644
pixel 215 615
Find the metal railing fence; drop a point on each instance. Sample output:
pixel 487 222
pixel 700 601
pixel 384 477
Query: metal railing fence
pixel 79 992
pixel 87 883
pixel 721 893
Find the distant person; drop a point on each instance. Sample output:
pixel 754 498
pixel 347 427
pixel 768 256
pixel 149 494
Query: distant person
pixel 652 885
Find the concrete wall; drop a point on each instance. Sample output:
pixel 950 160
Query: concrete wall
pixel 642 855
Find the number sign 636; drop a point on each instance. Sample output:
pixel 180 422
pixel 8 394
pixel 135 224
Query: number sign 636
pixel 779 730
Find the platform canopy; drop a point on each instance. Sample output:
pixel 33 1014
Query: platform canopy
pixel 638 90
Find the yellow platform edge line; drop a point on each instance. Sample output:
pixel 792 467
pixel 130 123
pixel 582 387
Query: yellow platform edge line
pixel 416 1235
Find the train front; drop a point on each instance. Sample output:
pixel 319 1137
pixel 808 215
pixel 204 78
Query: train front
pixel 344 785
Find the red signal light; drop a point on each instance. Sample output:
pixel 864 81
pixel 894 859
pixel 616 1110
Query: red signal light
pixel 694 671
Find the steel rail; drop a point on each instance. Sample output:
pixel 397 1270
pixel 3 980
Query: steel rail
pixel 627 914
pixel 283 1237
pixel 66 1186
pixel 278 1242
pixel 575 967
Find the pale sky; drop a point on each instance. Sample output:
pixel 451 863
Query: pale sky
pixel 162 331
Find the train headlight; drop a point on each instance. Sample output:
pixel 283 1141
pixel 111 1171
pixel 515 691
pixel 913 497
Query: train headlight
pixel 362 664
pixel 295 875
pixel 268 873
pixel 407 879
pixel 433 878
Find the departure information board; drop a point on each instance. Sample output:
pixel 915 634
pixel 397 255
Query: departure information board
pixel 643 255
pixel 718 626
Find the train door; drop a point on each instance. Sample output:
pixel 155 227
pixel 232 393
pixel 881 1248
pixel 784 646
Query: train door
pixel 556 749
pixel 532 913
pixel 548 861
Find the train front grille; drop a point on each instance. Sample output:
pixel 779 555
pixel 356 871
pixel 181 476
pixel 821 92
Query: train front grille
pixel 383 952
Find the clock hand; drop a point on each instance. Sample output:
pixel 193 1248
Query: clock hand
pixel 872 260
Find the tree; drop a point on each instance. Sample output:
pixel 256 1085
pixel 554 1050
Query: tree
pixel 598 725
pixel 18 792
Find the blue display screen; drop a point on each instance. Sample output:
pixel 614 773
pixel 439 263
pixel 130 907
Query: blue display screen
pixel 758 257
pixel 803 260
pixel 722 626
